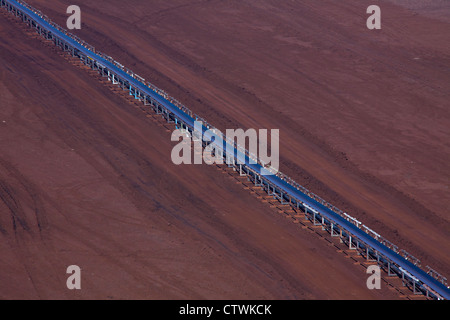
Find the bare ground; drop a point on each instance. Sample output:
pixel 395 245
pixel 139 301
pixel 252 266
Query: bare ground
pixel 86 178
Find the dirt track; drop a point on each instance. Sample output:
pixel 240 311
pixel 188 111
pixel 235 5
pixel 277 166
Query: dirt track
pixel 85 177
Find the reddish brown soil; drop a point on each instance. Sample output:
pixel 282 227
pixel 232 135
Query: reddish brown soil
pixel 86 178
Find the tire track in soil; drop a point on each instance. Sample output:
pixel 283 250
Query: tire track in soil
pixel 28 224
pixel 18 193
